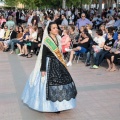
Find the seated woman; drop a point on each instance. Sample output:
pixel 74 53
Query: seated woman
pixel 113 55
pixel 65 41
pixel 89 27
pixel 21 43
pixel 73 36
pixel 33 41
pixel 102 27
pixel 83 45
pixel 98 42
pixel 15 41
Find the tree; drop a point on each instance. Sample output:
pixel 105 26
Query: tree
pixel 100 6
pixel 11 3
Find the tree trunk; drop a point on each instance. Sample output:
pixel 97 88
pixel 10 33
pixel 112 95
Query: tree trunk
pixel 90 4
pixel 64 4
pixel 100 7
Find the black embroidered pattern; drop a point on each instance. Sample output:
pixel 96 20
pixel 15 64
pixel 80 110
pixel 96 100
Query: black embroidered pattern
pixel 60 85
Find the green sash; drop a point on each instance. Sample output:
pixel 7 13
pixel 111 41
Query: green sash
pixel 54 49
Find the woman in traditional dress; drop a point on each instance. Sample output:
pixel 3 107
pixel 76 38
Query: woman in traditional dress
pixel 50 87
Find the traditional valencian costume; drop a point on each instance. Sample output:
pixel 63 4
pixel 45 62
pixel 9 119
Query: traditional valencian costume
pixel 57 92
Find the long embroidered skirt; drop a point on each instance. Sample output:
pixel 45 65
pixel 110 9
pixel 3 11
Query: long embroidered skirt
pixel 56 93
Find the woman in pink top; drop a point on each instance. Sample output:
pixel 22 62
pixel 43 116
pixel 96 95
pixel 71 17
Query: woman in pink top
pixel 2 20
pixel 65 41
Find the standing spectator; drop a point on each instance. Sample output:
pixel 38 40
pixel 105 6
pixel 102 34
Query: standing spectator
pixel 17 17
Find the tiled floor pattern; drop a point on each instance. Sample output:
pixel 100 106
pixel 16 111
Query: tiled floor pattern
pixel 98 92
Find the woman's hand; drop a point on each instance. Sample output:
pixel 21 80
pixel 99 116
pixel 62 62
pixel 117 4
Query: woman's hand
pixel 35 41
pixel 93 46
pixel 117 52
pixel 43 73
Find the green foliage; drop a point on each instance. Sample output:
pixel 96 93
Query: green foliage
pixel 11 3
pixel 31 4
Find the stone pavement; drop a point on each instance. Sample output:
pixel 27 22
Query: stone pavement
pixel 98 92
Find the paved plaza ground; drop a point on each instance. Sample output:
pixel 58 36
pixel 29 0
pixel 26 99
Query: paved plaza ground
pixel 98 92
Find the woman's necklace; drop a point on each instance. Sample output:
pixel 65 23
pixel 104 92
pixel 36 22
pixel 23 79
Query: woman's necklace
pixel 55 40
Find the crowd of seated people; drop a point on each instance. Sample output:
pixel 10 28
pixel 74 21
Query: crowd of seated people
pixel 96 36
pixel 26 40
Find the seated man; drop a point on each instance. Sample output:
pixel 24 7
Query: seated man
pixel 117 22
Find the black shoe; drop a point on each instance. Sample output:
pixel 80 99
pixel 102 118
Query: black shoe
pixel 88 64
pixel 29 55
pixel 22 55
pixel 58 112
pixel 25 55
pixel 6 50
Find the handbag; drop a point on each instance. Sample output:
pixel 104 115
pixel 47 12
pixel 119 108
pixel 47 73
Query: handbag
pixel 113 50
pixel 17 51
